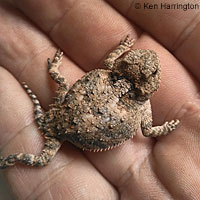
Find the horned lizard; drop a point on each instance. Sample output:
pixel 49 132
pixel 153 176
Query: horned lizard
pixel 101 110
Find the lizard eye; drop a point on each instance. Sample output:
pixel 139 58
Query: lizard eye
pixel 155 72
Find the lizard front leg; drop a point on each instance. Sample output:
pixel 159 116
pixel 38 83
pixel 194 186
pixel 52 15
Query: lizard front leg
pixel 124 46
pixel 146 124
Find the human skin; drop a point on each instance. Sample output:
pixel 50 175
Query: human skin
pixel 142 168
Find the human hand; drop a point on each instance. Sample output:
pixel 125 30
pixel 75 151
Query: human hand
pixel 142 168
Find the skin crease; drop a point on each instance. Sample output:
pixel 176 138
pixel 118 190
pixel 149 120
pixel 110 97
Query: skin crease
pixel 142 168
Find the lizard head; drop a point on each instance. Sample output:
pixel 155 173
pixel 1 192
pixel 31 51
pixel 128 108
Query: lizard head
pixel 142 69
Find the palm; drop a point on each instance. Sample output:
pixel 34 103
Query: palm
pixel 142 168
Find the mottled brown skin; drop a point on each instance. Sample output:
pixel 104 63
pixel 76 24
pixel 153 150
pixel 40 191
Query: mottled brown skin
pixel 103 109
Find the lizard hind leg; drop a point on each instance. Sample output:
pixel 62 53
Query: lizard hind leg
pixel 54 72
pixel 58 78
pixel 51 147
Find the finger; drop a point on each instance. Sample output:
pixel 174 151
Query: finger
pixel 83 29
pixel 175 28
pixel 139 164
pixel 66 176
pixel 178 87
pixel 24 52
pixel 176 159
pixel 168 103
